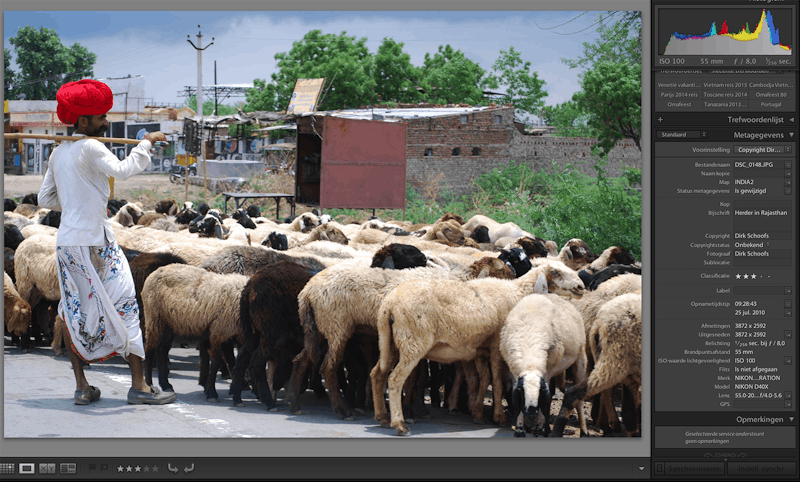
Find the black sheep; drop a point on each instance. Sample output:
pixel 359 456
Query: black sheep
pixel 481 234
pixel 202 208
pixel 533 247
pixel 8 259
pixel 516 259
pixel 12 236
pixel 276 241
pixel 114 205
pixel 398 256
pixel 53 218
pixel 9 205
pixel 167 206
pixel 271 324
pixel 32 198
pixel 186 216
pixel 242 218
pixel 592 281
pixel 253 211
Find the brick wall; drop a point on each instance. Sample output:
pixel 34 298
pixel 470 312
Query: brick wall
pixel 497 144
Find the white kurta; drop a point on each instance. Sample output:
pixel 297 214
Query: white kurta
pixel 98 298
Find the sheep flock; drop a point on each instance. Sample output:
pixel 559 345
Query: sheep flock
pixel 387 319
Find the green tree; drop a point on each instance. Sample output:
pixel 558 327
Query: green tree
pixel 321 55
pixel 8 76
pixel 449 77
pixel 46 64
pixel 523 89
pixel 570 119
pixel 263 96
pixel 395 78
pixel 620 40
pixel 612 95
pixel 208 106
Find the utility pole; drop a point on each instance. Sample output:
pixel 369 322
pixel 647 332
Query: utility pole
pixel 215 88
pixel 199 47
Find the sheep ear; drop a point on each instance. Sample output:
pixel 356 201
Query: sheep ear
pixel 324 236
pixel 219 232
pixel 483 273
pixel 173 210
pixel 569 254
pixel 125 218
pixel 541 284
pixel 388 263
pixel 440 235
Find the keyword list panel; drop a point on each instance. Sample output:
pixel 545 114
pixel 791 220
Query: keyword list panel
pixel 725 238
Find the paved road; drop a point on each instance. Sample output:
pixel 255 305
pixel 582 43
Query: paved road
pixel 38 390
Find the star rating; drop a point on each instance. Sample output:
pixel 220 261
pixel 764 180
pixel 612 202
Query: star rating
pixel 138 468
pixel 155 468
pixel 129 468
pixel 120 468
pixel 147 468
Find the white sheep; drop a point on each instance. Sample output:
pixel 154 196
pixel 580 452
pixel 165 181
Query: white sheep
pixel 191 302
pixel 346 297
pixel 542 337
pixel 448 321
pixel 499 234
pixel 34 229
pixel 616 343
pixel 16 311
pixel 18 220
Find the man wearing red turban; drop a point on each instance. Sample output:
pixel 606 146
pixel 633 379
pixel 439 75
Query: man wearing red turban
pixel 98 298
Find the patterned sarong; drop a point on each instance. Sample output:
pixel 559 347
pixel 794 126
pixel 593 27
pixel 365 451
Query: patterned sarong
pixel 98 302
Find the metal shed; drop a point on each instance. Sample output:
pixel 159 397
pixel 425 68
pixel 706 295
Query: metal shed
pixel 350 163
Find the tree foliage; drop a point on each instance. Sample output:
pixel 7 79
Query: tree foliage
pixel 449 77
pixel 523 89
pixel 208 106
pixel 263 96
pixel 320 55
pixel 612 95
pixel 395 78
pixel 46 64
pixel 569 118
pixel 620 41
pixel 8 76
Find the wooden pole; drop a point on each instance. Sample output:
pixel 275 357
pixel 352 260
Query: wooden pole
pixel 50 137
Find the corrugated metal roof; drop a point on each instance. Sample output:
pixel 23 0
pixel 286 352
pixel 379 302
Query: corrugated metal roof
pixel 395 115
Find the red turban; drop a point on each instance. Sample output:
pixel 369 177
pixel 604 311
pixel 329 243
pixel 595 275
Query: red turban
pixel 84 97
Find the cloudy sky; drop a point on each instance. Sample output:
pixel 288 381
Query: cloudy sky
pixel 153 44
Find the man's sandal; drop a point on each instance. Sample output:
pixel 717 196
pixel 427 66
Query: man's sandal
pixel 85 397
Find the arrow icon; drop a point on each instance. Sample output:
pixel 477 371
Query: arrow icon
pixel 188 469
pixel 791 134
pixel 172 469
pixel 641 467
pixel 791 419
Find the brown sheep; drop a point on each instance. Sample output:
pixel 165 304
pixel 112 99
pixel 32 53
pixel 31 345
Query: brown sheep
pixel 16 311
pixel 345 298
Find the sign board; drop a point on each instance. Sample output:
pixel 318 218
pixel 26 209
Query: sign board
pixel 305 95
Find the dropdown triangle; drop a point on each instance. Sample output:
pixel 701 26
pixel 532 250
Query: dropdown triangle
pixel 791 134
pixel 641 468
pixel 791 419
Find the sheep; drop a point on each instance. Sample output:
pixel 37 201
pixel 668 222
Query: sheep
pixel 302 223
pixel 167 206
pixel 17 311
pixel 16 219
pixel 448 321
pixel 9 204
pixel 616 344
pixel 609 256
pixel 12 236
pixel 52 218
pixel 589 306
pixel 141 267
pixel 34 229
pixel 481 234
pixel 269 318
pixel 497 232
pixel 324 232
pixel 533 247
pixel 398 256
pixel 128 215
pixel 344 298
pixel 186 215
pixel 165 225
pixel 242 218
pixel 25 209
pixel 32 198
pixel 188 301
pixel 276 241
pixel 36 272
pixel 113 206
pixel 575 254
pixel 517 260
pixel 592 281
pixel 148 217
pixel 8 263
pixel 543 336
pixel 247 260
pixel 253 211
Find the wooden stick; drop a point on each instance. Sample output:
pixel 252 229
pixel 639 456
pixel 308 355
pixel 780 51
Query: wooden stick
pixel 50 137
